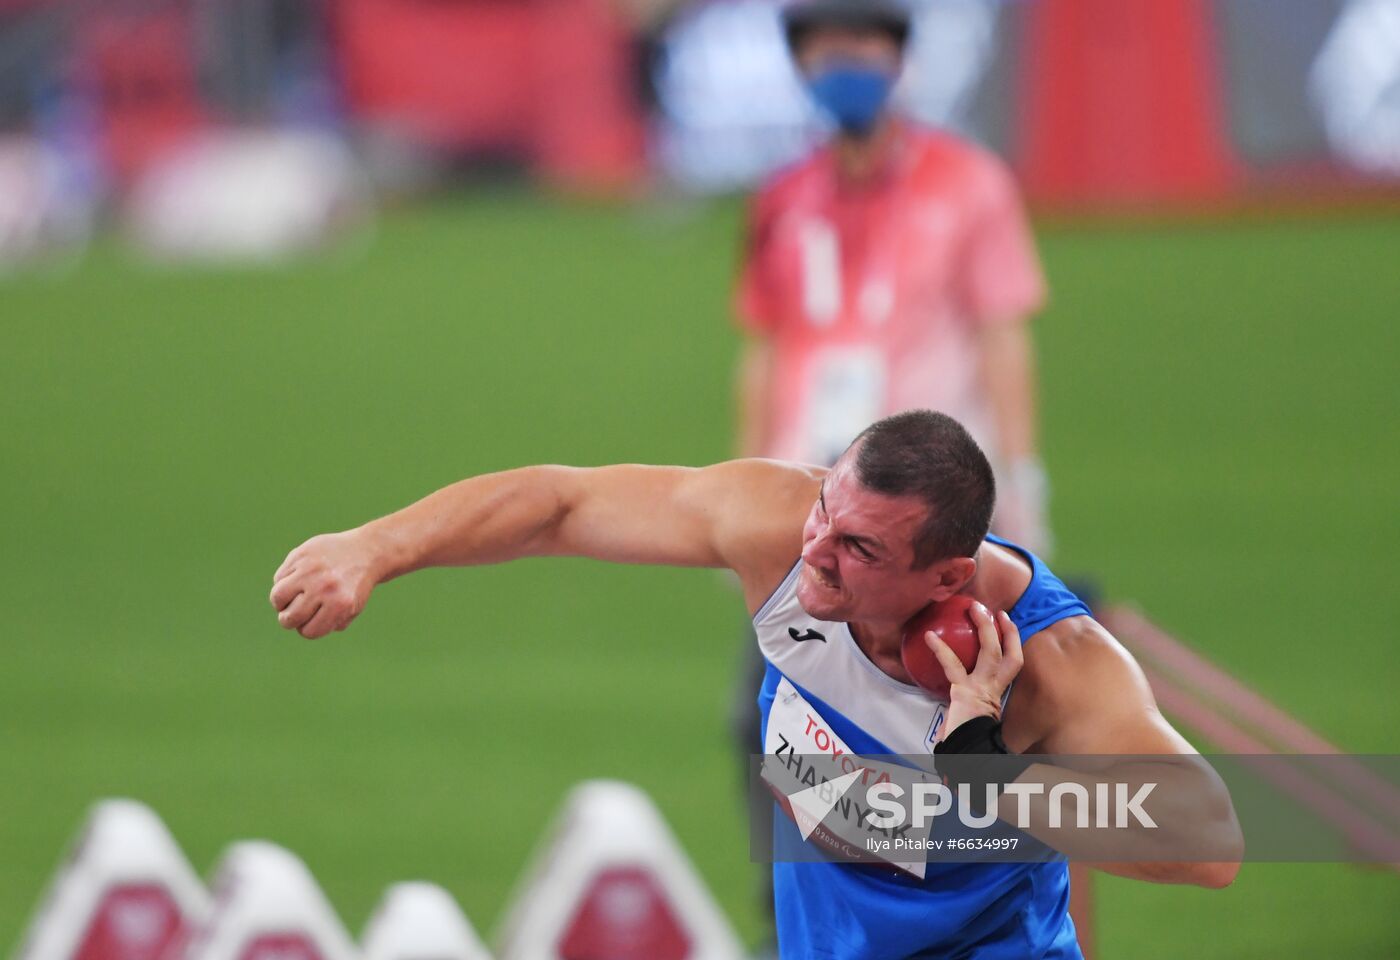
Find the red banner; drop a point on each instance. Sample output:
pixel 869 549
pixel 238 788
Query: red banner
pixel 548 80
pixel 1121 101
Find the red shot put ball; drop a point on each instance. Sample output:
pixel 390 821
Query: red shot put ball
pixel 951 621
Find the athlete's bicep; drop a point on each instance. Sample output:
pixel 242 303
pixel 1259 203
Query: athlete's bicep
pixel 718 516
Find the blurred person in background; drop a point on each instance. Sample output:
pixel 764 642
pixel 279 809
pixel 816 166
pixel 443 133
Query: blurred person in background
pixel 890 269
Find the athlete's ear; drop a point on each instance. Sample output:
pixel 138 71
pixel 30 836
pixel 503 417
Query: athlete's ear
pixel 947 577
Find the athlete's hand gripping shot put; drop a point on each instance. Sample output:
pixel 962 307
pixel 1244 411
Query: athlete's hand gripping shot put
pixel 834 564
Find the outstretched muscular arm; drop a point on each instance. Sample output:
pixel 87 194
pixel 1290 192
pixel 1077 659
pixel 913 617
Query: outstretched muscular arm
pixel 745 515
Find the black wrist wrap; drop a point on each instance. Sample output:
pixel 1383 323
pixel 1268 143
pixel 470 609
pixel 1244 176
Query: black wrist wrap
pixel 975 754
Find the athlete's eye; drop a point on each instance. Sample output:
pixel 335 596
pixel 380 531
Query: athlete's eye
pixel 860 551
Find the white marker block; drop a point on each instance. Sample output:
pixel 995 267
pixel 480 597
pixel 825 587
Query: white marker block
pixel 125 892
pixel 420 921
pixel 613 882
pixel 267 906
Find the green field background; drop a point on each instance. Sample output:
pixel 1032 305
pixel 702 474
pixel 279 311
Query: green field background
pixel 1220 423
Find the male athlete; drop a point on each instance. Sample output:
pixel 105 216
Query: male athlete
pixel 890 269
pixel 851 554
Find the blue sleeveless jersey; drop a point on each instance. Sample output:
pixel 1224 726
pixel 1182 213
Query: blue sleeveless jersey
pixel 841 911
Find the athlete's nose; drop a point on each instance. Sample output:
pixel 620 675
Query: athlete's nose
pixel 817 550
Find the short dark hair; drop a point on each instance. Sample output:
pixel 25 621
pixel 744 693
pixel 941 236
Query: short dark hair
pixel 931 456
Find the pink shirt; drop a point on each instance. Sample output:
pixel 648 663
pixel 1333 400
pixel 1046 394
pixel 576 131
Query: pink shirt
pixel 872 295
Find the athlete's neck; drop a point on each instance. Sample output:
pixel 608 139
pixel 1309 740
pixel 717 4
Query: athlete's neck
pixel 880 642
pixel 861 161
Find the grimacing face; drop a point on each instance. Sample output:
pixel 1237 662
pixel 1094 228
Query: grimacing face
pixel 858 555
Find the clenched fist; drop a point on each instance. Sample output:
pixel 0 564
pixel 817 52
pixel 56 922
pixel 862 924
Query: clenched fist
pixel 324 583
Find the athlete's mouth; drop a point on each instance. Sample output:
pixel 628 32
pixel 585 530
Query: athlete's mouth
pixel 822 578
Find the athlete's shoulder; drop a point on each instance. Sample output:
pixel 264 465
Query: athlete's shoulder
pixel 1079 642
pixel 770 491
pixel 769 478
pixel 759 519
pixel 1070 660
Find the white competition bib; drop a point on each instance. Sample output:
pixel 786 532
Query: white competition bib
pixel 822 785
